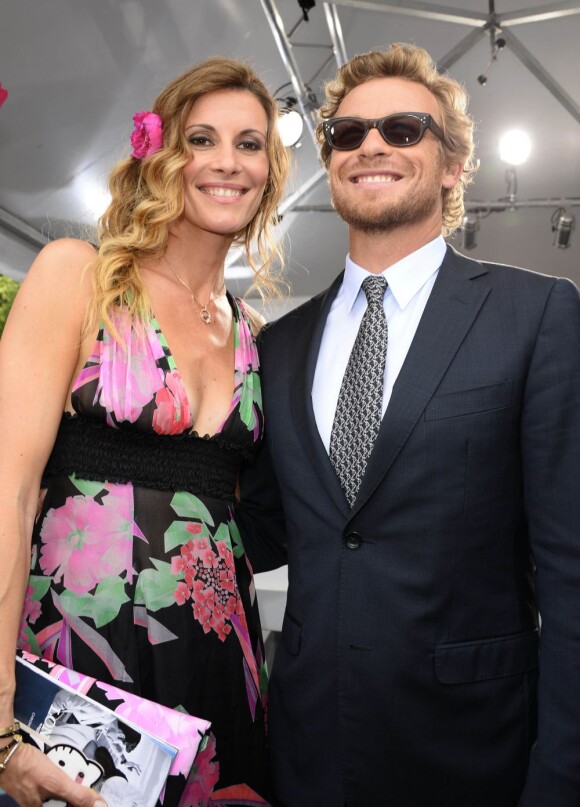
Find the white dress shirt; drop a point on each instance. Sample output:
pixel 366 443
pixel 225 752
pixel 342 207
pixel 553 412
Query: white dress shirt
pixel 410 282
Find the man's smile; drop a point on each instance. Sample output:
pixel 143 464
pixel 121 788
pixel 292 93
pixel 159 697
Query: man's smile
pixel 373 176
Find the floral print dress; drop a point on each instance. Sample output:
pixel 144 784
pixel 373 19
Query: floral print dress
pixel 151 589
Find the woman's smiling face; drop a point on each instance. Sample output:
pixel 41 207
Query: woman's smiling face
pixel 224 181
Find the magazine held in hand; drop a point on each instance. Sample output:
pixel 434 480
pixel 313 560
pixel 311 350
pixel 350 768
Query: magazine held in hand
pixel 131 750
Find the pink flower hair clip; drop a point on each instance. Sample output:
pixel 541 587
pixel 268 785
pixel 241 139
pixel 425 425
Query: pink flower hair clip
pixel 147 137
pixel 3 94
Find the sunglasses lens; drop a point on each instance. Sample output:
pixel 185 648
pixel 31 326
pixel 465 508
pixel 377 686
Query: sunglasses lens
pixel 346 134
pixel 403 131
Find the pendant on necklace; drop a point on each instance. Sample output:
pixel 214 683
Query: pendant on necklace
pixel 204 315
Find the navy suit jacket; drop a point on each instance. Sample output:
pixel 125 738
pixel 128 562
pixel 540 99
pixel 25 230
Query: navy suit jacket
pixel 412 671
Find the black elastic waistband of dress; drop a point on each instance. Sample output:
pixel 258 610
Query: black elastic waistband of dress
pixel 93 450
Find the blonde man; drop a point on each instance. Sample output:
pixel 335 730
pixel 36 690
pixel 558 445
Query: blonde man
pixel 424 432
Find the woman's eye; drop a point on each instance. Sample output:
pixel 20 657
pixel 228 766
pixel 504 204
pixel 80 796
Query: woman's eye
pixel 250 145
pixel 199 140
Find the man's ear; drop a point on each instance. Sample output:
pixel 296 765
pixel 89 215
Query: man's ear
pixel 451 175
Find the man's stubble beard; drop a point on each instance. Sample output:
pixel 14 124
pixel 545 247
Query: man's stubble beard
pixel 373 219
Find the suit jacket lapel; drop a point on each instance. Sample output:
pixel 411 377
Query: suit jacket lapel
pixel 452 306
pixel 303 366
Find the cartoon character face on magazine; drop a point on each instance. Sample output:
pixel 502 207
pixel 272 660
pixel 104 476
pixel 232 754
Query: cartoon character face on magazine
pixel 73 762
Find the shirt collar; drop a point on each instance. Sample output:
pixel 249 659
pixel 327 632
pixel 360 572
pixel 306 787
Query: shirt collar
pixel 405 277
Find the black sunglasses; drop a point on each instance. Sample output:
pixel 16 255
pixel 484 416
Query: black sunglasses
pixel 402 129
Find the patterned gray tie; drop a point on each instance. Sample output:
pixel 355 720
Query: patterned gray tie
pixel 360 401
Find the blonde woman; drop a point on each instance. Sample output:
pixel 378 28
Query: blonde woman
pixel 129 398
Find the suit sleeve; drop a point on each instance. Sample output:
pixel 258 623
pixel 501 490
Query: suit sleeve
pixel 260 516
pixel 259 513
pixel 550 444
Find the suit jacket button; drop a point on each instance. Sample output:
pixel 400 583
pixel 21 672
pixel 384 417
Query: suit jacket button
pixel 353 540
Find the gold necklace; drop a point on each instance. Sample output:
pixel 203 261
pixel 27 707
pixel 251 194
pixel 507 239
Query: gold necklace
pixel 204 313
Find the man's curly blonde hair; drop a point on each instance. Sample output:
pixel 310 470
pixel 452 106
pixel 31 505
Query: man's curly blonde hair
pixel 414 64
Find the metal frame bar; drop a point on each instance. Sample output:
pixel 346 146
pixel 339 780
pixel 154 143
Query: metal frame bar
pixel 289 203
pixel 335 31
pixel 461 48
pixel 534 66
pixel 474 206
pixel 413 8
pixel 551 11
pixel 13 224
pixel 308 113
pixel 484 24
pixel 429 11
pixel 501 206
pixel 285 50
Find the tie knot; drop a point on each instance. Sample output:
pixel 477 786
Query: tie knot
pixel 374 288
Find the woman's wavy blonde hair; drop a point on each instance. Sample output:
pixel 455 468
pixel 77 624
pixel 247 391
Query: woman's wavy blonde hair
pixel 148 195
pixel 414 64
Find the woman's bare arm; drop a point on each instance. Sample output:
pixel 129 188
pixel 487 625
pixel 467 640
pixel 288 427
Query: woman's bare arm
pixel 40 351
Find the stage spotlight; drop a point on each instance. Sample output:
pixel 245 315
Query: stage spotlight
pixel 469 230
pixel 515 147
pixel 562 226
pixel 290 122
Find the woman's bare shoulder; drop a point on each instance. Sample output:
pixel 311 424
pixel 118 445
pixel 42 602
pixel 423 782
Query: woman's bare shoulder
pixel 58 269
pixel 65 253
pixel 56 284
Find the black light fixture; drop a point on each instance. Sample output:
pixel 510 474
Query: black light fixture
pixel 497 45
pixel 469 230
pixel 306 6
pixel 562 225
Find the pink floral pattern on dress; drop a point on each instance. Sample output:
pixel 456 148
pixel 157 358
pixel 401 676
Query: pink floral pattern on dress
pixel 248 394
pixel 172 411
pixel 84 541
pixel 246 353
pixel 210 582
pixel 128 374
pixel 31 612
pixel 204 776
